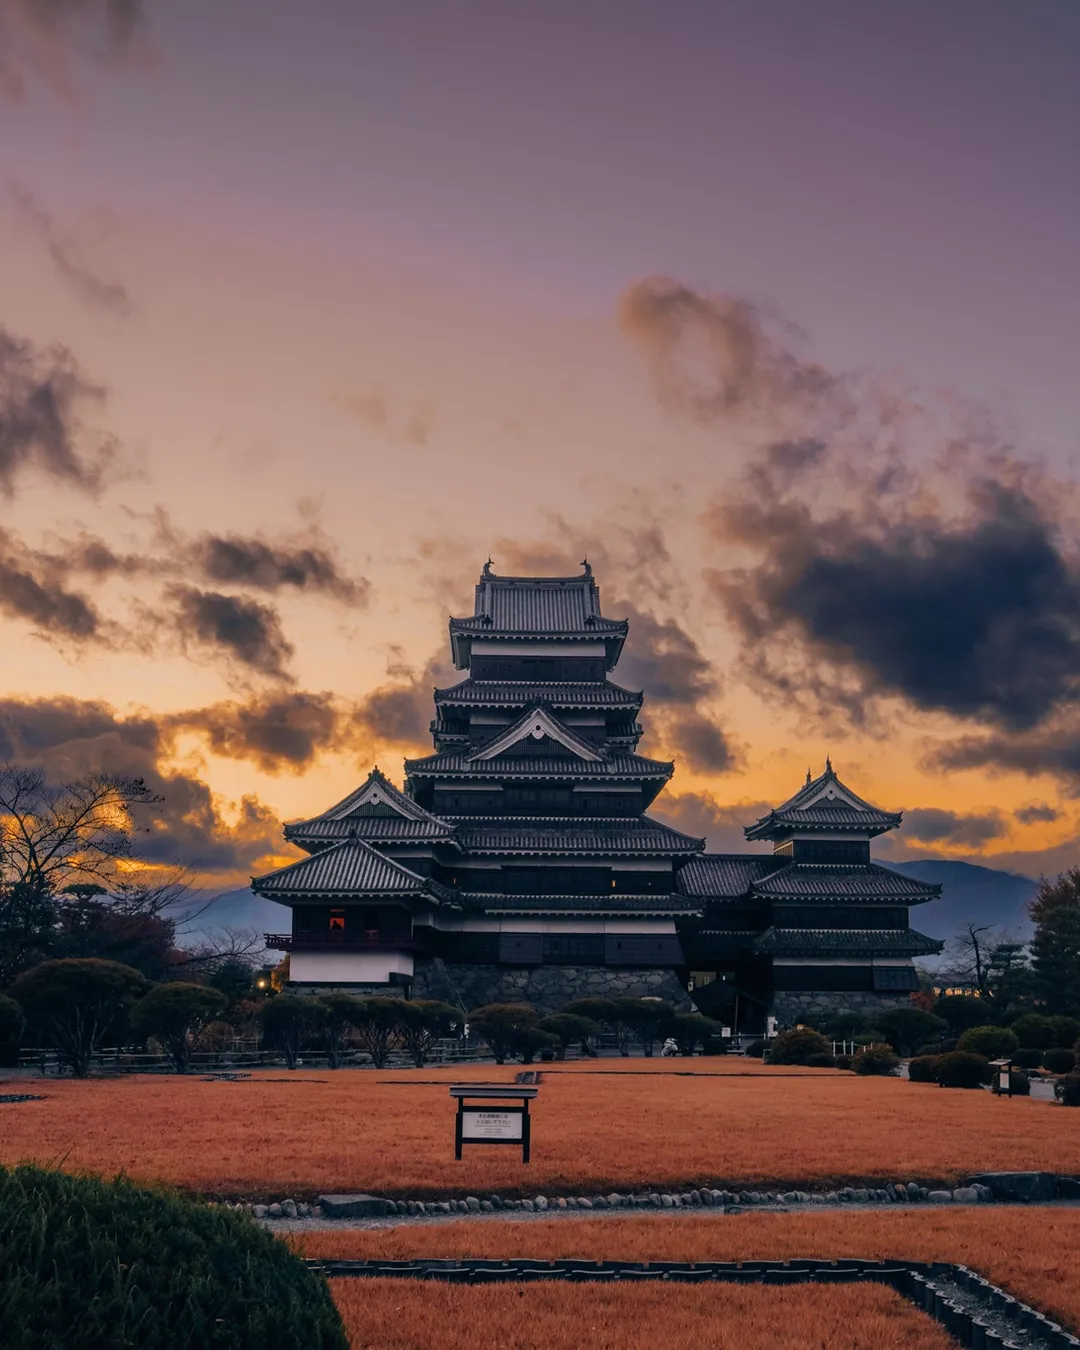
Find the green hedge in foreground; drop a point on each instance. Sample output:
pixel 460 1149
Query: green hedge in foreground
pixel 94 1265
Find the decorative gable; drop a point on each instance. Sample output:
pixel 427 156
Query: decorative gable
pixel 536 726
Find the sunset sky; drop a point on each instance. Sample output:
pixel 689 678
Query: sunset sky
pixel 771 310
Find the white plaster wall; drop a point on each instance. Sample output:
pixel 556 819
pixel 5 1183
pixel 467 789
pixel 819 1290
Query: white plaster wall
pixel 347 967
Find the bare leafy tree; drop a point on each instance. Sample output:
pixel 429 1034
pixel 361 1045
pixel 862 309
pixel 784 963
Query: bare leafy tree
pixel 51 836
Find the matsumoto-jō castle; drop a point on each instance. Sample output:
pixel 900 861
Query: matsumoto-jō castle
pixel 519 862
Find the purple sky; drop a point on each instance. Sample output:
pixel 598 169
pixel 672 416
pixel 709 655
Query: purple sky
pixel 371 255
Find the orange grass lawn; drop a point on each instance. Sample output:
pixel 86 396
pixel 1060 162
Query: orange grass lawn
pixel 594 1129
pixel 401 1315
pixel 1033 1253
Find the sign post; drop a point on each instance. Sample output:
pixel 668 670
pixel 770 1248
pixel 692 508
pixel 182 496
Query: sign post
pixel 484 1117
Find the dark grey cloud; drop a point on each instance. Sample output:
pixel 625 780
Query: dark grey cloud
pixel 43 395
pixel 244 631
pixel 278 732
pixel 53 611
pixel 933 826
pixel 70 738
pixel 239 560
pixel 43 40
pixel 1053 748
pixel 94 291
pixel 974 613
pixel 400 711
pixel 1036 813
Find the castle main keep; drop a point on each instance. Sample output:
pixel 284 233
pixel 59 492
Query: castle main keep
pixel 520 863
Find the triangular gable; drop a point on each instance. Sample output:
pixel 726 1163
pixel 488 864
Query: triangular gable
pixel 350 867
pixel 825 790
pixel 537 723
pixel 381 797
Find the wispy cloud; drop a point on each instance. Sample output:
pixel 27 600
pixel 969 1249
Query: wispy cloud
pixel 93 290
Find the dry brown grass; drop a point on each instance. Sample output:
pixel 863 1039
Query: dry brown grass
pixel 596 1128
pixel 402 1315
pixel 1033 1253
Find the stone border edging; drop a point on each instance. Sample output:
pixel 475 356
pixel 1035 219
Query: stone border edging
pixel 982 1317
pixel 981 1188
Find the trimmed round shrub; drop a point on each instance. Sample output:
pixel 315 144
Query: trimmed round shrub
pixel 755 1049
pixel 961 1011
pixel 821 1062
pixel 1035 1032
pixel 923 1069
pixel 843 1061
pixel 1026 1058
pixel 1059 1061
pixel 990 1042
pixel 1067 1089
pixel 933 1048
pixel 91 1263
pixel 796 1047
pixel 962 1070
pixel 875 1059
pixel 1067 1030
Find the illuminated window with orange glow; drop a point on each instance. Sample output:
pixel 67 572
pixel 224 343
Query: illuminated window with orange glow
pixel 337 921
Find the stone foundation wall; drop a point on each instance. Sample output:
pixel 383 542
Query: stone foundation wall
pixel 548 988
pixel 789 1008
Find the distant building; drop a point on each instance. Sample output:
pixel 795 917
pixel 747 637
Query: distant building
pixel 519 864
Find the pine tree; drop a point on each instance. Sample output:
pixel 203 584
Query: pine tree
pixel 1055 948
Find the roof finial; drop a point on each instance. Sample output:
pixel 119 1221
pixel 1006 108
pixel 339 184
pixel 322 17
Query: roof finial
pixel 828 764
pixel 809 780
pixel 487 567
pixel 585 567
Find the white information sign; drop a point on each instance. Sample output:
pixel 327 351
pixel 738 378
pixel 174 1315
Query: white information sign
pixel 476 1125
pixel 1003 1080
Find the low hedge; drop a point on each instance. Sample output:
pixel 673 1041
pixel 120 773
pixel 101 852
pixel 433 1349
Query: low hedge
pixel 1059 1061
pixel 961 1070
pixel 1027 1058
pixel 923 1069
pixel 875 1059
pixel 90 1264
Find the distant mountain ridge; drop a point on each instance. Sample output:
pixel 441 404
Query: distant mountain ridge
pixel 971 893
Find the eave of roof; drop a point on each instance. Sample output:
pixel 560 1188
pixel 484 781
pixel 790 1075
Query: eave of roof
pixel 868 942
pixel 579 904
pixel 349 868
pixel 855 881
pixel 455 764
pixel 726 876
pixel 519 693
pixel 635 836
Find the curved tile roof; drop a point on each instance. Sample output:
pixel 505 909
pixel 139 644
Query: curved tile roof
pixel 518 693
pixel 636 835
pixel 613 765
pixel 726 876
pixel 613 905
pixel 867 942
pixel 351 867
pixel 854 881
pixel 824 803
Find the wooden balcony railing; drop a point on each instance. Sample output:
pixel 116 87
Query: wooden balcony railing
pixel 353 942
